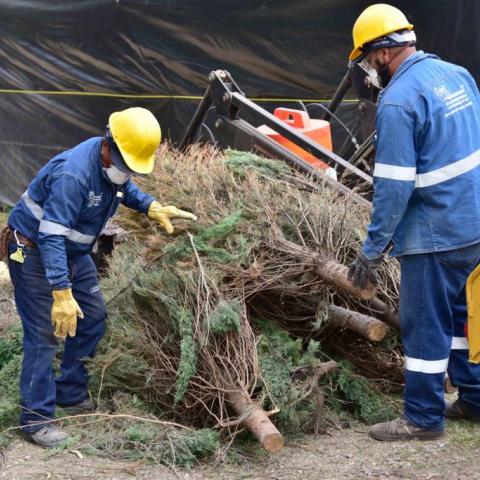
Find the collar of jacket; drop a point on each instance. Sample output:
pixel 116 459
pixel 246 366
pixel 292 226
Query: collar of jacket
pixel 407 63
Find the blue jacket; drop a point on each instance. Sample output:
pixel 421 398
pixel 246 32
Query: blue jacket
pixel 67 205
pixel 427 175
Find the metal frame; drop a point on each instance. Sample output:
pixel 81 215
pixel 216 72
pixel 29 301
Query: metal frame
pixel 227 98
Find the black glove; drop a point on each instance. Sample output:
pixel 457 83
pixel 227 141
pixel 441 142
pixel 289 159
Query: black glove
pixel 364 271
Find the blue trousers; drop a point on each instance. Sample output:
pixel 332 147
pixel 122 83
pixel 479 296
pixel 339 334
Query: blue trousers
pixel 39 389
pixel 433 314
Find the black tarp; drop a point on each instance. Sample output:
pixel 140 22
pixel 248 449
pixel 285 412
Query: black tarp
pixel 65 65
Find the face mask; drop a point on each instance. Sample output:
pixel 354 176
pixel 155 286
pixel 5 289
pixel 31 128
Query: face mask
pixel 116 176
pixel 382 72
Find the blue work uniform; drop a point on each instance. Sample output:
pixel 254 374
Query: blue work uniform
pixel 426 209
pixel 63 211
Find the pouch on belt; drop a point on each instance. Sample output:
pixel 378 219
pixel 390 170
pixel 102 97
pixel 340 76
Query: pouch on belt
pixel 4 237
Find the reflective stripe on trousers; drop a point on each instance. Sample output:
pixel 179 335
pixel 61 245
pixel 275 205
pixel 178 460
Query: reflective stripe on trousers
pixel 433 313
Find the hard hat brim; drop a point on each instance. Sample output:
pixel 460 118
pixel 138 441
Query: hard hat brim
pixel 355 54
pixel 142 167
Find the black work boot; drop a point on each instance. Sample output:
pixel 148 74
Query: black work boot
pixel 459 410
pixel 85 406
pixel 47 437
pixel 402 429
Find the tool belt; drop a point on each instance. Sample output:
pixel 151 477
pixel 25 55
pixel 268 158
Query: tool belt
pixel 6 236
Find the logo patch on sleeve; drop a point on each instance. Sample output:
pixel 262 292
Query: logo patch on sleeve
pixel 94 200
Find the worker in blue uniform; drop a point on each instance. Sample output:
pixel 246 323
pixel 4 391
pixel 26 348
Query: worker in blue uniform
pixel 426 211
pixel 52 230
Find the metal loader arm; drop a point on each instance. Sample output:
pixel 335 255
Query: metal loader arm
pixel 228 100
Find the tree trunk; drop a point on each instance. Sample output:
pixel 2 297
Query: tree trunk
pixel 257 421
pixel 369 327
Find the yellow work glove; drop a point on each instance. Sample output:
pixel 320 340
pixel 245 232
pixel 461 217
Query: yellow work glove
pixel 162 215
pixel 65 311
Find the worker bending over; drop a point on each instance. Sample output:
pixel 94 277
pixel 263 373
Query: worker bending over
pixel 426 209
pixel 52 230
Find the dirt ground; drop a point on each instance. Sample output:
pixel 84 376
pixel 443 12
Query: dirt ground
pixel 340 455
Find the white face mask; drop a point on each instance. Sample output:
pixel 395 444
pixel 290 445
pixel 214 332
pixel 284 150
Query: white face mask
pixel 116 176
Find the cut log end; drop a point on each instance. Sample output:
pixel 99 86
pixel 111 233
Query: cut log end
pixel 273 442
pixel 377 332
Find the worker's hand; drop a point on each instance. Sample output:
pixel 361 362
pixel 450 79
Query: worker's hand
pixel 363 271
pixel 65 311
pixel 162 215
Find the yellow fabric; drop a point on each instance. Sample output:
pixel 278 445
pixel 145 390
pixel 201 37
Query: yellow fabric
pixel 374 22
pixel 473 307
pixel 137 134
pixel 162 215
pixel 65 311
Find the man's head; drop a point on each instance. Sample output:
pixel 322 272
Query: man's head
pixel 383 37
pixel 131 139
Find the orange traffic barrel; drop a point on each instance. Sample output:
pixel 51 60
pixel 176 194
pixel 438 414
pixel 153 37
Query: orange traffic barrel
pixel 318 130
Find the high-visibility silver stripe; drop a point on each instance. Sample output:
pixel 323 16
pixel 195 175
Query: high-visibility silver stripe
pixel 76 236
pixel 448 172
pixel 394 172
pixel 459 343
pixel 35 208
pixel 52 228
pixel 426 366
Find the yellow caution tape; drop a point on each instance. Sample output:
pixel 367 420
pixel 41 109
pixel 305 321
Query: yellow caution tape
pixel 148 96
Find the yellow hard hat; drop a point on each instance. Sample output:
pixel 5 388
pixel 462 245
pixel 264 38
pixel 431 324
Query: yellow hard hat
pixel 137 134
pixel 374 22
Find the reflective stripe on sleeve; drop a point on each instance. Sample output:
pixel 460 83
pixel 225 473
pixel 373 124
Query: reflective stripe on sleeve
pixel 394 172
pixel 449 171
pixel 76 236
pixel 459 343
pixel 426 366
pixel 52 228
pixel 35 208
